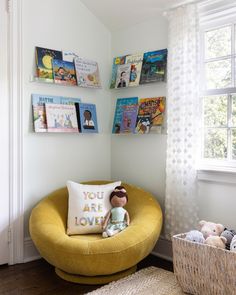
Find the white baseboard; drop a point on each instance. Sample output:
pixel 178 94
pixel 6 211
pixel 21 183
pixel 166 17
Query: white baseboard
pixel 163 249
pixel 30 252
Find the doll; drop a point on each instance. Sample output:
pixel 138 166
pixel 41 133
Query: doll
pixel 117 219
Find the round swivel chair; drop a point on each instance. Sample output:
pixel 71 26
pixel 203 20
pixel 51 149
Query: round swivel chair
pixel 91 259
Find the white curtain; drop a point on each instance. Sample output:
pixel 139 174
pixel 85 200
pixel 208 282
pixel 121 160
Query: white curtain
pixel 183 120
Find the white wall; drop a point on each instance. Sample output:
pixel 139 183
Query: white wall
pixel 140 159
pixel 217 198
pixel 49 160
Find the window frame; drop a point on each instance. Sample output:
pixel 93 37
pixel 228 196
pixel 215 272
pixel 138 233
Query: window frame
pixel 226 165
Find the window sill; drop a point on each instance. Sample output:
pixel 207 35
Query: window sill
pixel 217 174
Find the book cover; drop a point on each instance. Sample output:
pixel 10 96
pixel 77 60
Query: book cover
pixel 135 60
pixel 143 124
pixel 129 117
pixel 123 74
pixel 120 60
pixel 68 55
pixel 120 103
pixel 39 111
pixel 44 57
pixel 154 66
pixel 155 107
pixel 63 72
pixel 88 118
pixel 87 73
pixel 61 118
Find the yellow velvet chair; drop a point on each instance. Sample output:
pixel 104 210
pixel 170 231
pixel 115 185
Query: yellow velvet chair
pixel 91 259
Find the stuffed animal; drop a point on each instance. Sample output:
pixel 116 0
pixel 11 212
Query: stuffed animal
pixel 117 219
pixel 210 228
pixel 228 234
pixel 233 244
pixel 195 236
pixel 216 241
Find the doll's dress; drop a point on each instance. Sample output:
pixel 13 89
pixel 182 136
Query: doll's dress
pixel 117 221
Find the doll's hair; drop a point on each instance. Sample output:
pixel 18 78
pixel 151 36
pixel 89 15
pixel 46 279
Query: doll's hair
pixel 120 192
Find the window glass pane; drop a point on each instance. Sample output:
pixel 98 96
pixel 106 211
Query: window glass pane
pixel 233 144
pixel 218 42
pixel 215 143
pixel 215 111
pixel 218 74
pixel 234 110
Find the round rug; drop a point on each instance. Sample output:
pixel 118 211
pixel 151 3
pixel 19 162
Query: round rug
pixel 148 281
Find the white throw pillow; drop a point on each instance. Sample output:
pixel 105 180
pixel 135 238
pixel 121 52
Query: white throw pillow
pixel 88 204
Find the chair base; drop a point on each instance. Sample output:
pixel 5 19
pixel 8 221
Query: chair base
pixel 96 280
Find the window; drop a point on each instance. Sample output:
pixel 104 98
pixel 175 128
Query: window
pixel 219 95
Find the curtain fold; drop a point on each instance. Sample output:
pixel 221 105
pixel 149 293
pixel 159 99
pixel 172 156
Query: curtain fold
pixel 183 120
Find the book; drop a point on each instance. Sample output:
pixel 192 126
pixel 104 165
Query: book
pixel 61 118
pixel 135 60
pixel 123 75
pixel 129 117
pixel 69 55
pixel 154 66
pixel 87 73
pixel 86 112
pixel 155 107
pixel 63 72
pixel 120 60
pixel 120 103
pixel 143 124
pixel 39 111
pixel 44 57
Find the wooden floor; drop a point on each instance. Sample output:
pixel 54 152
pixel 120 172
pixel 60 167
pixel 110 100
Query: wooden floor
pixel 38 277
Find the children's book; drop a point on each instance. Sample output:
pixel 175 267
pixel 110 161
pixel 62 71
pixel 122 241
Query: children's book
pixel 120 103
pixel 63 72
pixel 129 117
pixel 69 55
pixel 154 66
pixel 87 73
pixel 44 57
pixel 120 60
pixel 86 113
pixel 135 60
pixel 123 74
pixel 39 111
pixel 154 107
pixel 143 124
pixel 61 118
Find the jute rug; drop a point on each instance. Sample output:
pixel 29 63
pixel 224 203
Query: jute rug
pixel 148 281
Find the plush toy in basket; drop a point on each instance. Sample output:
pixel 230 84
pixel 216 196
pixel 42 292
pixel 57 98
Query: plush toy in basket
pixel 213 234
pixel 228 234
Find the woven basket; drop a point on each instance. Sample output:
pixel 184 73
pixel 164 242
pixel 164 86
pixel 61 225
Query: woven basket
pixel 202 269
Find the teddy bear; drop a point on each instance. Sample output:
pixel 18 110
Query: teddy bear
pixel 228 234
pixel 117 219
pixel 233 244
pixel 210 228
pixel 216 241
pixel 195 236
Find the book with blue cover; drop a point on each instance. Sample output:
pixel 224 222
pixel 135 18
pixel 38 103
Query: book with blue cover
pixel 39 111
pixel 154 66
pixel 64 72
pixel 120 103
pixel 87 116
